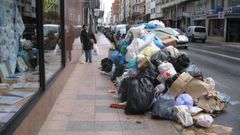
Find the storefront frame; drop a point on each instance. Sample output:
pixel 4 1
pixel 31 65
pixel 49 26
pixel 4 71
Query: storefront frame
pixel 20 115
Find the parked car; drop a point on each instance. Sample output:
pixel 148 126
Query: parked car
pixel 196 33
pixel 51 33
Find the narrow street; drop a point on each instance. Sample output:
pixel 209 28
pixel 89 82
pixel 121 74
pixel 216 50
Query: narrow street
pixel 221 62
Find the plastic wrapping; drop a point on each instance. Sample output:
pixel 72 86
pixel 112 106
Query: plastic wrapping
pixel 140 96
pixel 184 99
pixel 183 115
pixel 166 71
pixel 180 62
pixel 193 70
pixel 159 57
pixel 163 107
pixel 205 120
pixel 172 51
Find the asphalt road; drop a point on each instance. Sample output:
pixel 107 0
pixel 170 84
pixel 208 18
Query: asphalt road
pixel 222 63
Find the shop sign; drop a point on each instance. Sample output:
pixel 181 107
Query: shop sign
pixel 187 14
pixel 220 15
pixel 48 4
pixel 235 9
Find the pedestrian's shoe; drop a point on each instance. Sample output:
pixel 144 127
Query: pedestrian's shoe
pixel 82 62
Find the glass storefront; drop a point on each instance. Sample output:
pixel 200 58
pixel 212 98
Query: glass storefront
pixel 51 34
pixel 216 27
pixel 28 47
pixel 19 56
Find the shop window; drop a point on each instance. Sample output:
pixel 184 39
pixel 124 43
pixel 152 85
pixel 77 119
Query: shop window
pixel 217 27
pixel 19 69
pixel 52 42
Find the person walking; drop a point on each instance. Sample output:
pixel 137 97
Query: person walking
pixel 87 40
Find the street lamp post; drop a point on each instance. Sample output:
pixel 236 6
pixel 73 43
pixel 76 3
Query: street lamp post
pixel 124 11
pixel 176 13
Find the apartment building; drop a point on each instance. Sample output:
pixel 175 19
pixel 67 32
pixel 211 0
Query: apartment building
pixel 216 15
pixel 28 9
pixel 115 11
pixel 153 9
pixel 148 10
pixel 138 13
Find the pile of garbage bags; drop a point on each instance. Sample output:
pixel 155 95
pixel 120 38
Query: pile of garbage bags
pixel 152 77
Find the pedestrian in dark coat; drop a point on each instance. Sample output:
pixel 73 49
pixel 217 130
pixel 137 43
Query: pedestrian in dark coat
pixel 87 40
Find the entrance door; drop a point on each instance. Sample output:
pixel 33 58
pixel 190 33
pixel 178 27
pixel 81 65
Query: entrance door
pixel 233 31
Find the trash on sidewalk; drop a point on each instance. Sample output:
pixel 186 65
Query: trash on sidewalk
pixel 163 107
pixel 151 77
pixel 205 120
pixel 183 115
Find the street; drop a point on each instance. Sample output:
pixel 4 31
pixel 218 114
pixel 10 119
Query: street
pixel 221 62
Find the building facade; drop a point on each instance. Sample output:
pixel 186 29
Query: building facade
pixel 115 11
pixel 33 52
pixel 138 13
pixel 216 15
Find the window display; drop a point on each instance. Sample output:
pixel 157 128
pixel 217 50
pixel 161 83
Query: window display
pixel 18 56
pixel 52 41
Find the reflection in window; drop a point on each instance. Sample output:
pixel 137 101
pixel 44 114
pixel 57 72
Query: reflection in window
pixel 19 70
pixel 51 33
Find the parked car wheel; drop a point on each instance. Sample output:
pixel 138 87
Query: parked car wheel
pixel 191 39
pixel 204 40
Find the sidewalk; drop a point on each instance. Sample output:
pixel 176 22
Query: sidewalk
pixel 83 106
pixel 216 42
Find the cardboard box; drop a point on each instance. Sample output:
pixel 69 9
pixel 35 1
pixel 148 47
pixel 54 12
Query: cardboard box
pixel 211 104
pixel 180 84
pixel 197 88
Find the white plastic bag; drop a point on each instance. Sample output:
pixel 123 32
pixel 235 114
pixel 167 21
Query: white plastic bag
pixel 183 115
pixel 172 51
pixel 166 71
pixel 133 49
pixel 57 50
pixel 205 120
pixel 184 99
pixel 195 110
pixel 210 81
pixel 95 50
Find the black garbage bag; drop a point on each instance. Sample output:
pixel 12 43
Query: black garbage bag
pixel 163 107
pixel 106 64
pixel 140 96
pixel 118 72
pixel 151 73
pixel 159 57
pixel 124 88
pixel 193 70
pixel 180 63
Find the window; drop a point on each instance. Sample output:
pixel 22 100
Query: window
pixel 217 4
pixel 19 59
pixel 52 43
pixel 153 10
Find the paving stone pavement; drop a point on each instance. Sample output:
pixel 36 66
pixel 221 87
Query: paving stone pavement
pixel 83 106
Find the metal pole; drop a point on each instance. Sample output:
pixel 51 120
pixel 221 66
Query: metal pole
pixel 124 11
pixel 176 12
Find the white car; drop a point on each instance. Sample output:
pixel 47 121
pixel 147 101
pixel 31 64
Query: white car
pixel 196 33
